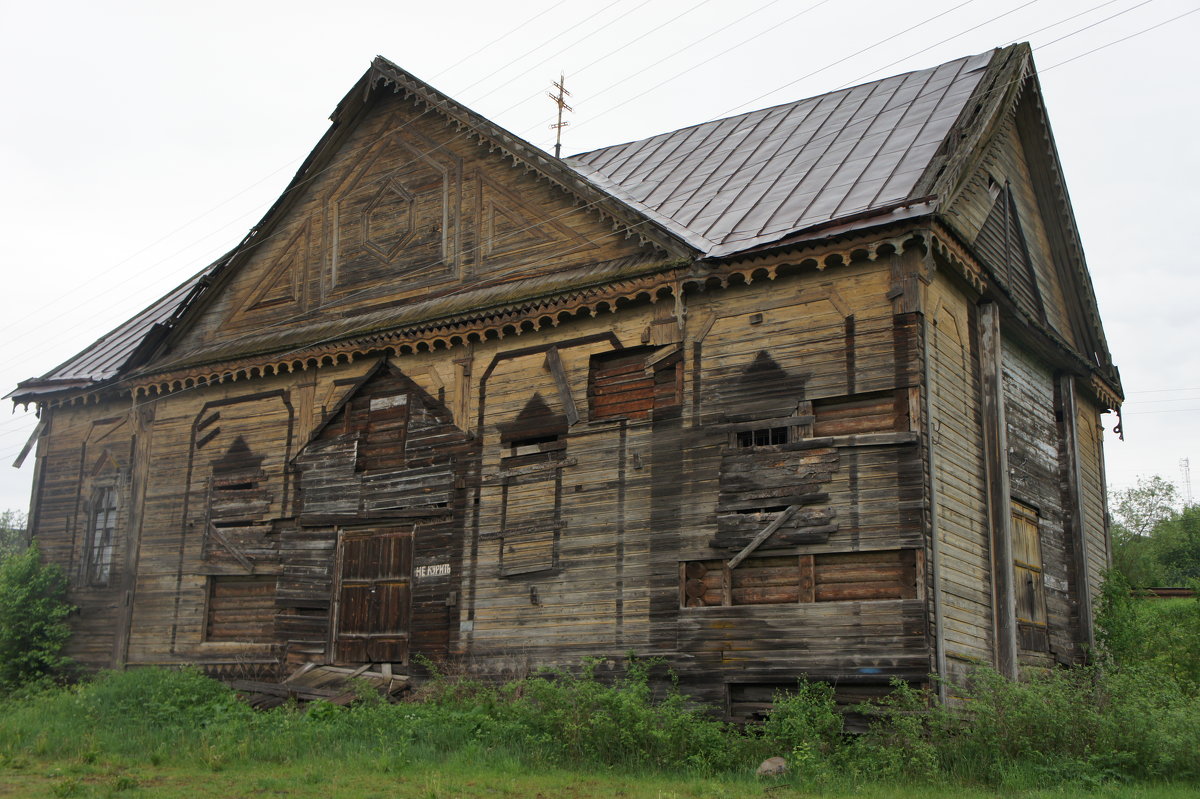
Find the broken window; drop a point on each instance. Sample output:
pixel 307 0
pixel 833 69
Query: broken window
pixel 776 580
pixel 102 533
pixel 1027 577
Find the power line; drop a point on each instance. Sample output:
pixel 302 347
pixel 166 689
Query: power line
pixel 298 184
pixel 101 274
pixel 255 244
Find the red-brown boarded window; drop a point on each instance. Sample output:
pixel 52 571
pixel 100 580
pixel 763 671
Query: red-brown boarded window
pixel 831 577
pixel 629 384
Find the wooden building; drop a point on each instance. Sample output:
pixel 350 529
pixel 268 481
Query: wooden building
pixel 811 390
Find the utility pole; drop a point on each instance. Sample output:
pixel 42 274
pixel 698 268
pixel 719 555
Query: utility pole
pixel 562 105
pixel 1185 466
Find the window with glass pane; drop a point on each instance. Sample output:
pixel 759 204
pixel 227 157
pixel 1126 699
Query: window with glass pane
pixel 104 527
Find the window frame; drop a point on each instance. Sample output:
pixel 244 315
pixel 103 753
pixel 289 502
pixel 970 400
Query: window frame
pixel 101 541
pixel 1024 567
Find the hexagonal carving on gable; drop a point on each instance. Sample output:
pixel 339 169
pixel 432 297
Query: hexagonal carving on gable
pixel 387 220
pixel 394 213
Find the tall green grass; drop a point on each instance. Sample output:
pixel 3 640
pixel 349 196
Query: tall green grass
pixel 553 719
pixel 1132 717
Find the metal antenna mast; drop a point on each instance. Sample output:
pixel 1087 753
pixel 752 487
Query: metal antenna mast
pixel 1185 466
pixel 562 105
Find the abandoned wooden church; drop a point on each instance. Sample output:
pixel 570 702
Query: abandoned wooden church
pixel 811 390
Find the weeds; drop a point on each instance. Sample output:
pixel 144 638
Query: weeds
pixel 1128 718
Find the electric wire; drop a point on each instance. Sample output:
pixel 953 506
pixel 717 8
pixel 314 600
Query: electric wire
pixel 308 178
pixel 1093 50
pixel 659 164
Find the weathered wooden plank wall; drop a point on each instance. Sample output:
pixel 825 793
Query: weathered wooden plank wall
pixel 1036 478
pixel 1095 503
pixel 959 481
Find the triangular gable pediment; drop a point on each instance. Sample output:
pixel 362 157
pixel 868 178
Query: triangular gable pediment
pixel 395 206
pixel 381 388
pixel 1002 245
pixel 1001 179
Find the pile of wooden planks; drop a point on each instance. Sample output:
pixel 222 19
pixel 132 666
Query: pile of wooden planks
pixel 334 684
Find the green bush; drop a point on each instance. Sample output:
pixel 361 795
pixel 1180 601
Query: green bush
pixel 33 626
pixel 1144 632
pixel 806 728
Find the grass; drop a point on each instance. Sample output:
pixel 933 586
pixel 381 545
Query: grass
pixel 1121 729
pixel 457 776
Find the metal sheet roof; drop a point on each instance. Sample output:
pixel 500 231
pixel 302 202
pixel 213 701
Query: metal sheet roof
pixel 721 187
pixel 737 183
pixel 105 357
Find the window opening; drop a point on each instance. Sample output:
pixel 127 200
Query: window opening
pixel 104 527
pixel 763 438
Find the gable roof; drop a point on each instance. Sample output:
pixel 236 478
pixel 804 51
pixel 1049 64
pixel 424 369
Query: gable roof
pixel 747 180
pixel 850 158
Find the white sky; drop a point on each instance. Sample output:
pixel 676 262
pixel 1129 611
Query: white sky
pixel 140 140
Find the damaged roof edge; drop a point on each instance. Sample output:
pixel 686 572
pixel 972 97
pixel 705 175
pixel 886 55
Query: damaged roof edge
pixel 109 354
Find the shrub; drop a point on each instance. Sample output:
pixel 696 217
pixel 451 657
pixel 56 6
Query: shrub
pixel 160 699
pixel 33 626
pixel 1149 633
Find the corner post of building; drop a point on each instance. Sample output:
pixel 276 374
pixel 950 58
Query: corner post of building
pixel 1076 519
pixel 995 446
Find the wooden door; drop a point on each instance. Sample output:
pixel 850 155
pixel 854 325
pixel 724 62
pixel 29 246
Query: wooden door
pixel 374 606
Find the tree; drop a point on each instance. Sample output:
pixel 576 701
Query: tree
pixel 1143 507
pixel 33 609
pixel 1175 545
pixel 1155 540
pixel 12 532
pixel 1136 513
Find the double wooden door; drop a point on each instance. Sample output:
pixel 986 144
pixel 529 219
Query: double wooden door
pixel 374 596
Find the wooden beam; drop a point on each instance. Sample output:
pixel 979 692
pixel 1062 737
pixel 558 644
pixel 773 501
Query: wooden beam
pixel 935 534
pixel 783 516
pixel 223 541
pixel 25 450
pixel 1075 518
pixel 554 364
pixel 995 449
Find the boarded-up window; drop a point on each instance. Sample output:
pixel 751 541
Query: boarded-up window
pixel 876 412
pixel 629 384
pixel 832 577
pixel 383 426
pixel 238 502
pixel 530 525
pixel 241 608
pixel 103 530
pixel 1027 575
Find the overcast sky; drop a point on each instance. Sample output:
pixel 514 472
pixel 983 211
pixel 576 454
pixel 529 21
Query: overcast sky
pixel 143 139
